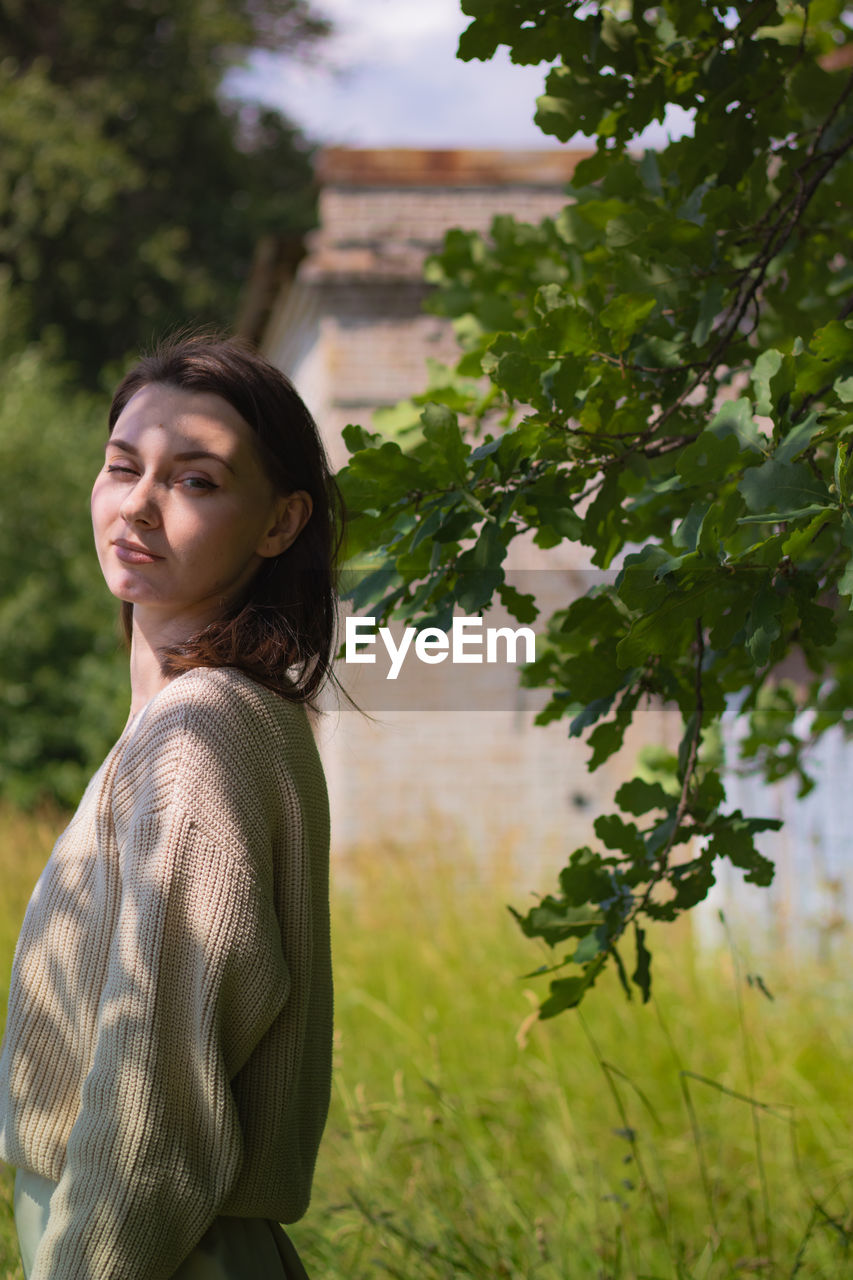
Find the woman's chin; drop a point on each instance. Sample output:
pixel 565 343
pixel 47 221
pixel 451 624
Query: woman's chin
pixel 130 588
pixel 128 596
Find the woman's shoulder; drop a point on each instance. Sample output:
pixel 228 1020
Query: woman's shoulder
pixel 215 728
pixel 222 698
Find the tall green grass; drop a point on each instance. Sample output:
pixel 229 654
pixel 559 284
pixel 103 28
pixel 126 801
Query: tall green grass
pixel 25 842
pixel 703 1136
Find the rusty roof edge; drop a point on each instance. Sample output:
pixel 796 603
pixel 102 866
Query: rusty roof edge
pixel 418 167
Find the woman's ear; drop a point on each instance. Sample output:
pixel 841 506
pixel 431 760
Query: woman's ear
pixel 292 513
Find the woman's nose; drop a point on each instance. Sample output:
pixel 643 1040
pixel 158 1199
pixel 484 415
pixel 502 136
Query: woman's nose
pixel 140 505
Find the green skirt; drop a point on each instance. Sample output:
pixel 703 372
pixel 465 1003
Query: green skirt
pixel 232 1249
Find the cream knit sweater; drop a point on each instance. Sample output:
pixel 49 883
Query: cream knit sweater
pixel 167 1055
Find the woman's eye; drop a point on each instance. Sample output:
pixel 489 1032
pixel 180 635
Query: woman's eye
pixel 117 468
pixel 198 483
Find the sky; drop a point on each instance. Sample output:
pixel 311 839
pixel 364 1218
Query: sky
pixel 389 76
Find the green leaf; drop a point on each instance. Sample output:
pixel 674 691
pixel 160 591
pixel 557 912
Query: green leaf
pixel 523 607
pixel 639 797
pixel 845 582
pixel 431 520
pixel 689 532
pixel 565 332
pixel 834 341
pixel 686 744
pixel 555 922
pixel 552 499
pixel 471 500
pixel 798 439
pixel 592 711
pixel 709 309
pixel 733 839
pixel 375 477
pixel 650 173
pixel 397 420
pixel 587 949
pixel 523 442
pixel 642 975
pixel 799 541
pixel 607 738
pixel 486 450
pixel 735 418
pixel 639 583
pixel 668 629
pixel 763 623
pixel 624 315
pixel 444 456
pixel 480 38
pixel 479 570
pixel 586 878
pixel 562 991
pixel 801 513
pixel 765 368
pixel 692 882
pixel 604 741
pixel 567 993
pixel 780 489
pixel 707 458
pixel 843 469
pixel 356 438
pixel 615 833
pixel 519 376
pixel 603 522
pixel 367 590
pixel 708 793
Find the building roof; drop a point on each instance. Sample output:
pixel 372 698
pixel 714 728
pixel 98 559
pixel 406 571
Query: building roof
pixel 410 167
pixel 382 210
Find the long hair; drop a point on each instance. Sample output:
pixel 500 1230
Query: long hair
pixel 281 631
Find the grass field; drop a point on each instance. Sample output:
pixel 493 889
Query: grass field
pixel 703 1136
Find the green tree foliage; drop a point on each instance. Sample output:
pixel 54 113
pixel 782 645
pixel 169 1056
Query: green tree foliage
pixel 131 197
pixel 63 672
pixel 131 193
pixel 669 367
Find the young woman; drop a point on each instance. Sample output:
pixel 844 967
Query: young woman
pixel 166 1067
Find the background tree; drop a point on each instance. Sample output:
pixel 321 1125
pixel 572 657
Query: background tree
pixel 131 198
pixel 672 362
pixel 63 680
pixel 132 193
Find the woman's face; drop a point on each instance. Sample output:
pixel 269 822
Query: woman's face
pixel 183 512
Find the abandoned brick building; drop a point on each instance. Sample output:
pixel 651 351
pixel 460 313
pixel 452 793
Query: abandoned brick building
pixel 457 760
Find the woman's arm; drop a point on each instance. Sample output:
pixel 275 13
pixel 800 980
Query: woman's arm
pixel 196 976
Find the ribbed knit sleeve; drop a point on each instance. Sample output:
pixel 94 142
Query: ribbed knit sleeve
pixel 195 978
pixel 157 1145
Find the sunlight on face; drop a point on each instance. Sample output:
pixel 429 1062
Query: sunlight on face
pixel 183 512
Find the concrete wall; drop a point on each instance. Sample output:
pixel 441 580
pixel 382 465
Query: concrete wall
pixel 455 757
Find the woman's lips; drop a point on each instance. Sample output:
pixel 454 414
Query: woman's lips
pixel 130 553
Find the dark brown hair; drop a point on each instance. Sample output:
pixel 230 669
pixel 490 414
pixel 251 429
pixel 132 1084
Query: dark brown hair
pixel 282 631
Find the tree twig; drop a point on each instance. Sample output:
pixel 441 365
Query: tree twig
pixel 689 770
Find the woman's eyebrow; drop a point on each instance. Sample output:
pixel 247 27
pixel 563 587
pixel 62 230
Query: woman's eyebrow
pixel 186 456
